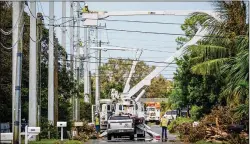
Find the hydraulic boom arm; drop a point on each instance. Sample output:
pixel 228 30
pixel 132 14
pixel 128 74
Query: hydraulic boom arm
pixel 147 80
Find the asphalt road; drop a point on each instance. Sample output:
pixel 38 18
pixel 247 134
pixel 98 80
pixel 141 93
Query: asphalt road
pixel 148 139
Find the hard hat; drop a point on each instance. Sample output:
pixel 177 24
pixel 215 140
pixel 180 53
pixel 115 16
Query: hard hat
pixel 86 4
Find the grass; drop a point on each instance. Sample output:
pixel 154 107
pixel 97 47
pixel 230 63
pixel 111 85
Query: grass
pixel 54 141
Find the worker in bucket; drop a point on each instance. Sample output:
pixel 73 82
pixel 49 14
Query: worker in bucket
pixel 85 9
pixel 97 123
pixel 164 124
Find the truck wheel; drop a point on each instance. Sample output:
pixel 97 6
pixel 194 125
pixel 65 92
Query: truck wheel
pixel 140 135
pixel 109 137
pixel 132 137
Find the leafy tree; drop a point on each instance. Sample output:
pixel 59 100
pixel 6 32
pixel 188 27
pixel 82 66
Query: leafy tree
pixel 215 71
pixel 160 88
pixel 115 72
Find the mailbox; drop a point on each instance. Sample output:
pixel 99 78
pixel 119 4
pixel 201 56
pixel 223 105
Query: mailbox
pixel 61 124
pixel 34 130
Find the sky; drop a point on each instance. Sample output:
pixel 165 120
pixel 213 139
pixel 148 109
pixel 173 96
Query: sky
pixel 157 48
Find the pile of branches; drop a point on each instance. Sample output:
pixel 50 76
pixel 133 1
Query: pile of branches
pixel 219 126
pixel 85 132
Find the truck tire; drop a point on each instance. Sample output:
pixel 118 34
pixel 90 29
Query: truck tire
pixel 140 135
pixel 109 137
pixel 157 122
pixel 132 137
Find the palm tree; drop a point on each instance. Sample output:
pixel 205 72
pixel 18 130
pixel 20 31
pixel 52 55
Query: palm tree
pixel 225 49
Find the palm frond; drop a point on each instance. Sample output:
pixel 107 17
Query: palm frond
pixel 211 51
pixel 209 67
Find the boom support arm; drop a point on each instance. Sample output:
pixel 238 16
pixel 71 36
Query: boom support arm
pixel 132 71
pixel 147 80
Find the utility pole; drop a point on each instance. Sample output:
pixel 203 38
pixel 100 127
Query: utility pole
pixel 77 103
pixel 51 65
pixel 17 104
pixel 72 54
pixel 64 30
pixel 33 69
pixel 16 11
pixel 39 36
pixel 97 81
pixel 72 37
pixel 86 71
pixel 56 84
pixel 88 65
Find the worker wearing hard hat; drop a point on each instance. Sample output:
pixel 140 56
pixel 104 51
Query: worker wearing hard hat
pixel 97 122
pixel 85 9
pixel 164 124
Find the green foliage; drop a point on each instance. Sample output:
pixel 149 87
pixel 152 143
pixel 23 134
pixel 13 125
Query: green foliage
pixel 115 72
pixel 47 129
pixel 196 112
pixel 215 71
pixel 159 88
pixel 85 111
pixel 175 123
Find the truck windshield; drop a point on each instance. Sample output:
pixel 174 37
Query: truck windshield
pixel 119 118
pixel 168 113
pixel 174 112
pixel 151 109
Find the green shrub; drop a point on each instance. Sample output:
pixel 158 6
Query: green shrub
pixel 86 111
pixel 45 128
pixel 196 112
pixel 175 123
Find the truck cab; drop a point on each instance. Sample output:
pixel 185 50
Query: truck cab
pixel 152 113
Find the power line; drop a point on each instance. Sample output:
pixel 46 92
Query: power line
pixel 142 49
pixel 19 36
pixel 31 12
pixel 147 32
pixel 13 28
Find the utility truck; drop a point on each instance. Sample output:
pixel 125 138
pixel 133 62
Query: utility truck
pixel 152 113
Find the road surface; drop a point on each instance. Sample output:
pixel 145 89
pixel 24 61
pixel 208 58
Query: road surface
pixel 148 139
